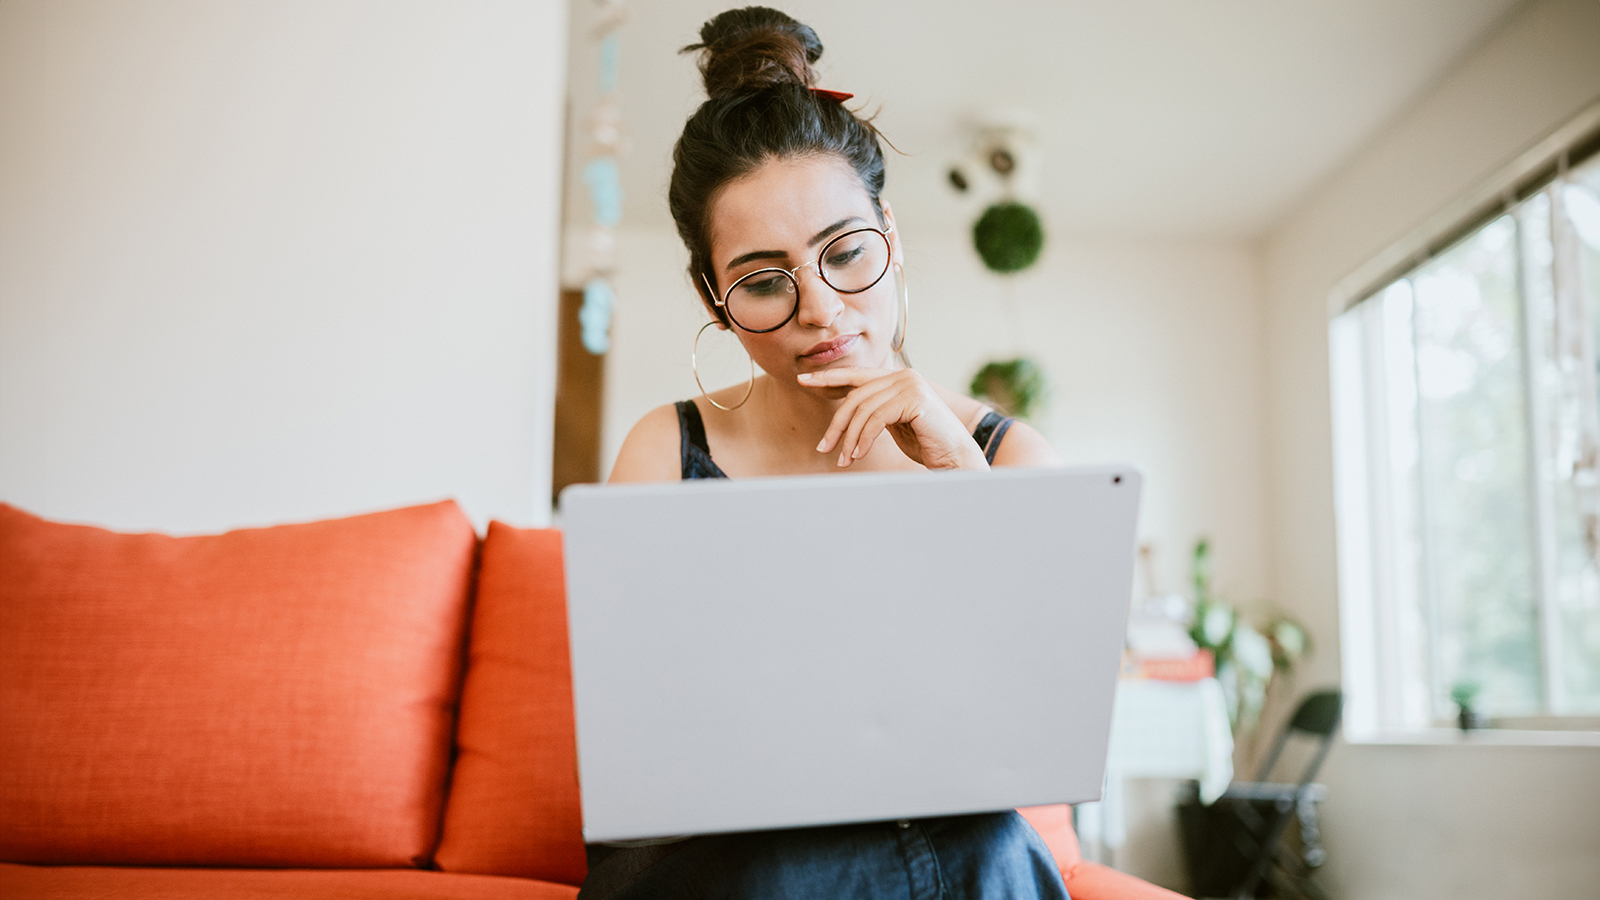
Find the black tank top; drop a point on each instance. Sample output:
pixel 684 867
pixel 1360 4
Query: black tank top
pixel 695 453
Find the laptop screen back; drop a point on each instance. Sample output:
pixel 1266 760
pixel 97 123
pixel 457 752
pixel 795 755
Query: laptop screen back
pixel 772 653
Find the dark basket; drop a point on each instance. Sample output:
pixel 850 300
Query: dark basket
pixel 1212 836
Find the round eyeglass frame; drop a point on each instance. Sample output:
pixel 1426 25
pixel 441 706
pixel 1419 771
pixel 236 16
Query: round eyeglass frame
pixel 794 277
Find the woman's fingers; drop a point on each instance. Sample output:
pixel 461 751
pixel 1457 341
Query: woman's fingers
pixel 872 427
pixel 880 400
pixel 842 416
pixel 891 401
pixel 844 376
pixel 860 425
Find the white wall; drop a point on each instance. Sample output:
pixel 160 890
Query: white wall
pixel 1152 349
pixel 272 261
pixel 1415 822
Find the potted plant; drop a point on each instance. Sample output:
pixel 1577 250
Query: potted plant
pixel 1247 658
pixel 1463 694
pixel 1015 386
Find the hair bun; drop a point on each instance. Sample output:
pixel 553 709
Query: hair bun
pixel 745 50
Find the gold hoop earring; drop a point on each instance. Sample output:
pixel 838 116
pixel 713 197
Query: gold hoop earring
pixel 905 309
pixel 694 356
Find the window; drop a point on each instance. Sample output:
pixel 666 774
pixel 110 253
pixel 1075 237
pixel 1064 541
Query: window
pixel 1467 456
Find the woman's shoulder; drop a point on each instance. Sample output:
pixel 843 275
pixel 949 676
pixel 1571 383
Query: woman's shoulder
pixel 651 450
pixel 1024 446
pixel 968 410
pixel 1020 445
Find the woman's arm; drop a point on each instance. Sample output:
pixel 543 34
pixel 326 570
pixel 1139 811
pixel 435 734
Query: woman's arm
pixel 650 452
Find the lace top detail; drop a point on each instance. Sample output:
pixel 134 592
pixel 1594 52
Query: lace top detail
pixel 692 447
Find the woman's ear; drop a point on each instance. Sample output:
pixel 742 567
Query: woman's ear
pixel 894 234
pixel 707 292
pixel 708 297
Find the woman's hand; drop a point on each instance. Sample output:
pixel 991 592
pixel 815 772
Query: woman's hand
pixel 901 402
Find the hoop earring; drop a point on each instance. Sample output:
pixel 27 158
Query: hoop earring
pixel 694 355
pixel 899 339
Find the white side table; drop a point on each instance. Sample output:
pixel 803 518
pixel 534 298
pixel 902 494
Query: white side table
pixel 1160 729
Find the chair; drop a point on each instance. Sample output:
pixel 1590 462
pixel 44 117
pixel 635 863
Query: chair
pixel 1237 844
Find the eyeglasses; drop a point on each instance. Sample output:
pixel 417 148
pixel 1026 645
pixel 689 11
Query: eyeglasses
pixel 766 299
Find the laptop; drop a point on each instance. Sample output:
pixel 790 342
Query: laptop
pixel 782 652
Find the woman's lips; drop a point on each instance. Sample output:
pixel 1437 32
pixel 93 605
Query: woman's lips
pixel 828 351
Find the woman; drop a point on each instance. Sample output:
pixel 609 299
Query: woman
pixel 776 191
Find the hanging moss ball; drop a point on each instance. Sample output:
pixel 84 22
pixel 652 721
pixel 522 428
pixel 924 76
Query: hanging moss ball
pixel 1008 236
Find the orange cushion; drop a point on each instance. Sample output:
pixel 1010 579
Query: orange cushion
pixel 31 882
pixel 513 806
pixel 267 697
pixel 1092 881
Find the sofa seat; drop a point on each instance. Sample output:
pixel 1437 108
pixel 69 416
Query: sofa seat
pixel 1086 880
pixel 20 882
pixel 304 711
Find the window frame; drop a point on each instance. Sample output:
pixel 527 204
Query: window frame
pixel 1379 708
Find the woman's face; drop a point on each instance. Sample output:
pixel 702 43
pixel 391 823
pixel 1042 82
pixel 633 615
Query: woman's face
pixel 781 215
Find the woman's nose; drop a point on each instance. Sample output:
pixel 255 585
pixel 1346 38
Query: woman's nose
pixel 820 304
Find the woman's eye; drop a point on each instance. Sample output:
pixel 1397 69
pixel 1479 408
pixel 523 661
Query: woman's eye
pixel 771 286
pixel 846 256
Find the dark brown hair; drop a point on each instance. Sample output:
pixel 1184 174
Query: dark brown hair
pixel 756 64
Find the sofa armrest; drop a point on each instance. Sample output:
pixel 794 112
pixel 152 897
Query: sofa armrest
pixel 1093 881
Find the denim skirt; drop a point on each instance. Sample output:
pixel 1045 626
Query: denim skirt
pixel 988 855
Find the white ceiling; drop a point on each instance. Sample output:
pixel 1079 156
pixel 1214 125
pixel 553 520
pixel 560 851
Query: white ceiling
pixel 1203 118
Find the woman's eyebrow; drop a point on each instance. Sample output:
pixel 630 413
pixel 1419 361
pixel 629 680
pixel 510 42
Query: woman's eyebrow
pixel 759 254
pixel 816 239
pixel 825 233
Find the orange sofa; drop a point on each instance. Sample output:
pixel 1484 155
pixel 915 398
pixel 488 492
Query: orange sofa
pixel 377 706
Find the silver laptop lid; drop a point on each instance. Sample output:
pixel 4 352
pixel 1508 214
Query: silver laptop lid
pixel 771 653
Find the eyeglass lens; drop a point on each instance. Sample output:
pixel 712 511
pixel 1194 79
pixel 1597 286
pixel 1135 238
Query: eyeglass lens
pixel 767 298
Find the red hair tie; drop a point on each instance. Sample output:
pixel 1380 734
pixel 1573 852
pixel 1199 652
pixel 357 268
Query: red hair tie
pixel 835 96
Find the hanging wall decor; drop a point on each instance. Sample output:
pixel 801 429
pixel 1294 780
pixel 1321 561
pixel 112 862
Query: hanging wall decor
pixel 1002 164
pixel 595 315
pixel 603 179
pixel 999 169
pixel 1015 386
pixel 1008 237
